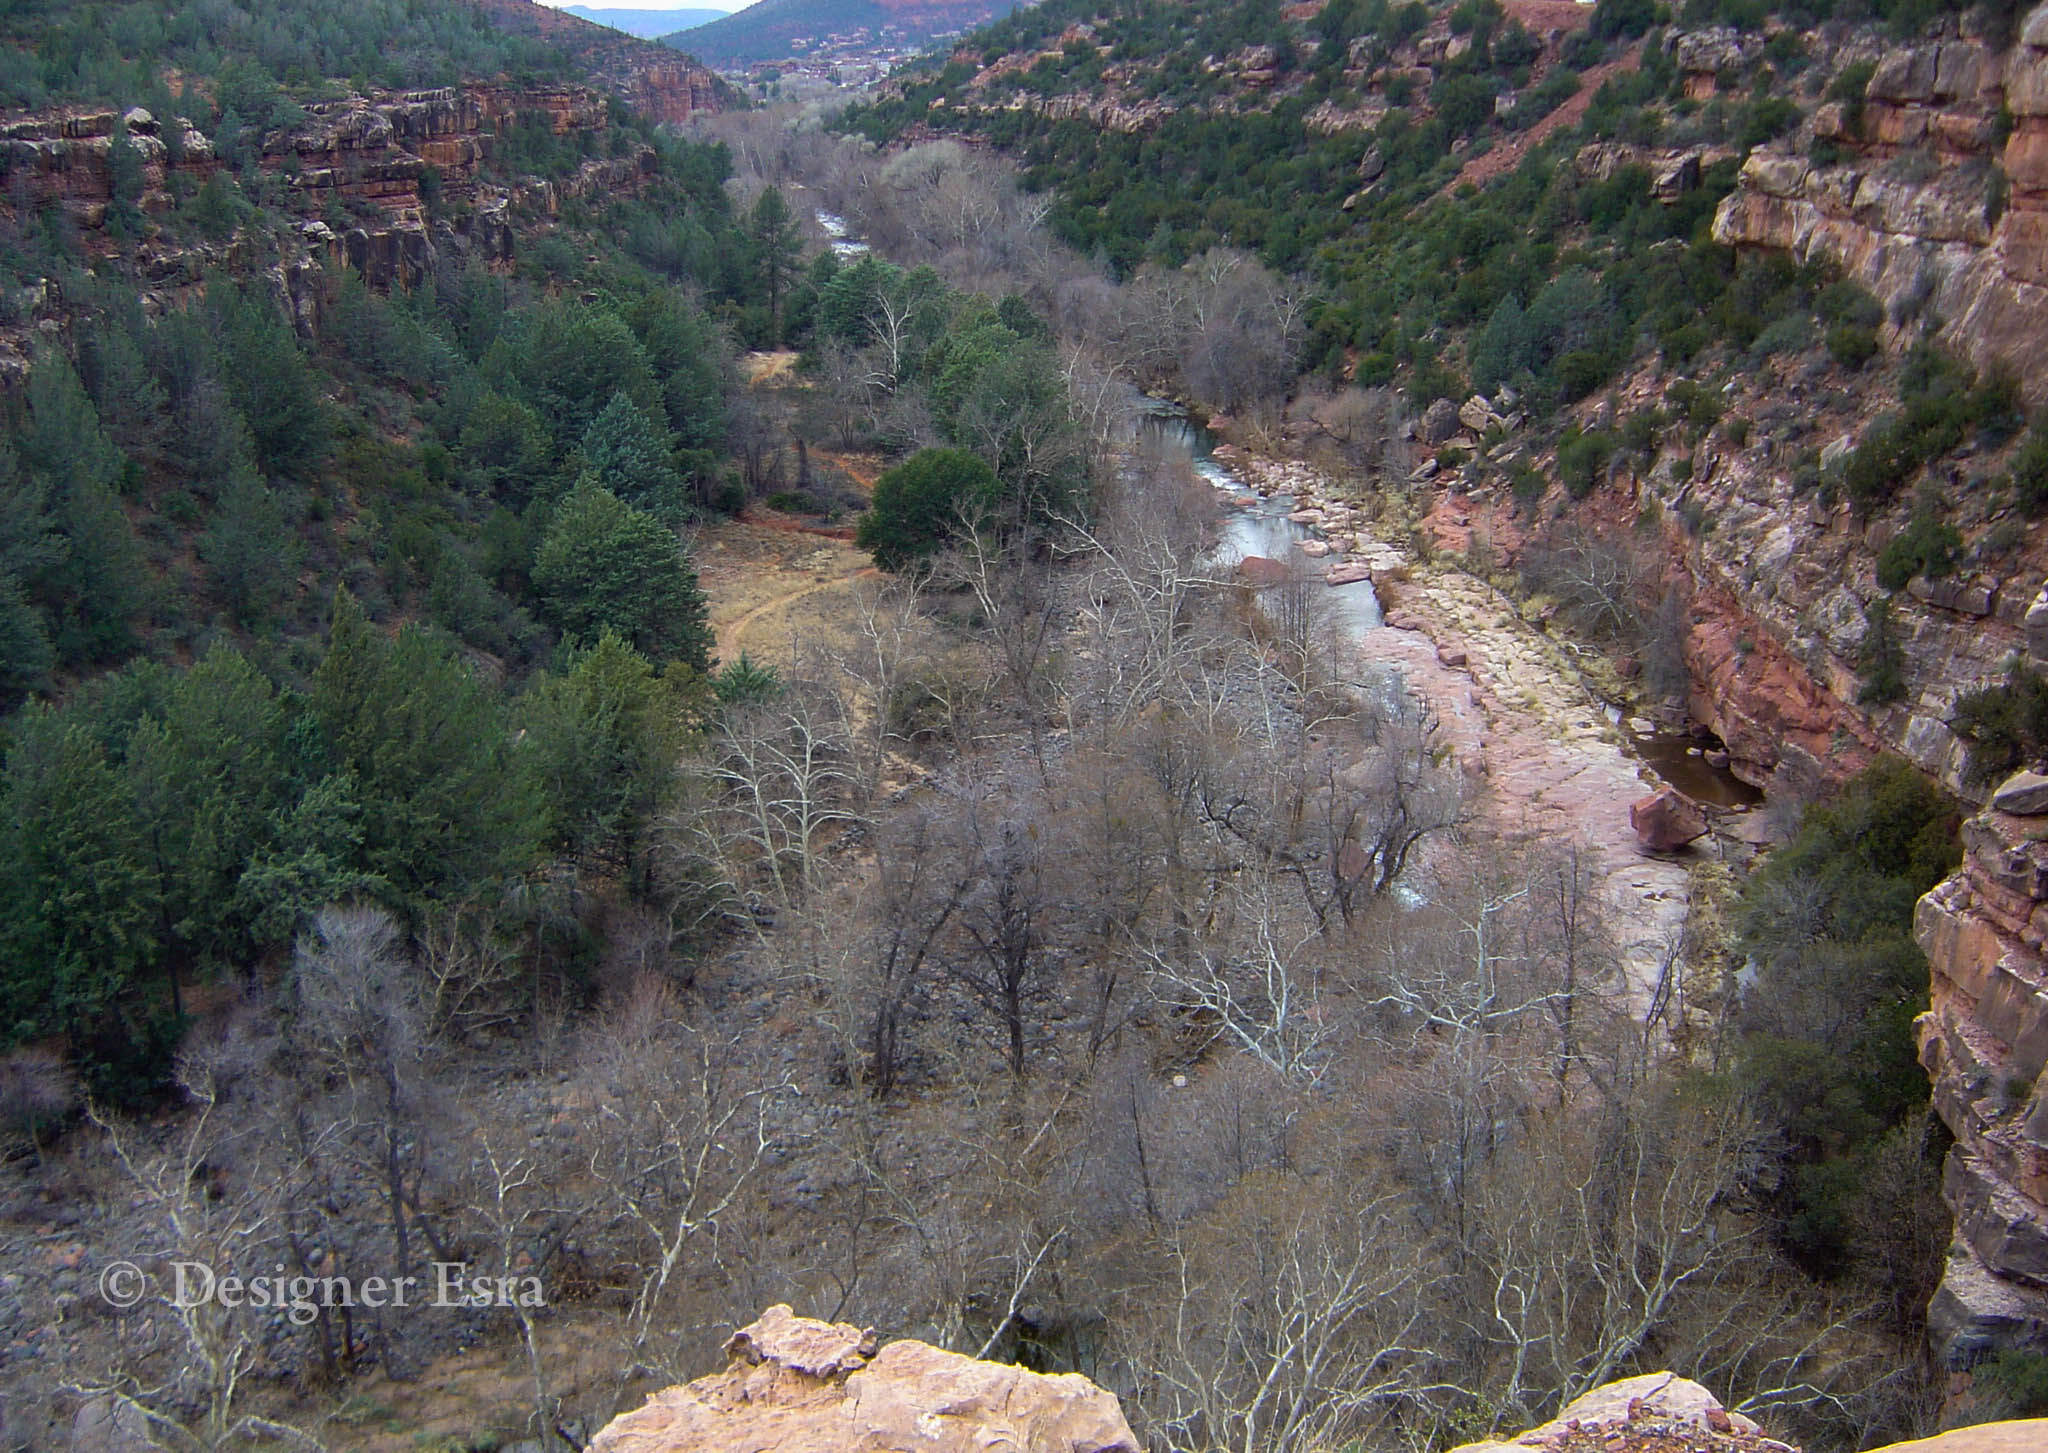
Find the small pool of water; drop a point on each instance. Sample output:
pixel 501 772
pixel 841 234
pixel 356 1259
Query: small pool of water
pixel 1681 761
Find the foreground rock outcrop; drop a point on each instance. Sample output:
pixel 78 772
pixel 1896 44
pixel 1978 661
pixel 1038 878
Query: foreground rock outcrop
pixel 1661 1412
pixel 1984 1041
pixel 805 1386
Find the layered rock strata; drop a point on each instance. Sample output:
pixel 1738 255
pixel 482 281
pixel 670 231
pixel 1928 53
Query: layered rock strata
pixel 1937 197
pixel 1984 1042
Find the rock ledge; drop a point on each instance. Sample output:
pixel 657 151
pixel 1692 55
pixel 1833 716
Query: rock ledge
pixel 803 1386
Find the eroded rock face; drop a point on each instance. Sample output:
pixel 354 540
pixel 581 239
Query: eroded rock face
pixel 1662 1411
pixel 1649 1409
pixel 1984 1041
pixel 1904 209
pixel 805 1386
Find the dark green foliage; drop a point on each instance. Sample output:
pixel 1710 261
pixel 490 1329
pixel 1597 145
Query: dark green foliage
pixel 2030 470
pixel 745 681
pixel 1928 546
pixel 1827 1055
pixel 1943 403
pixel 1624 19
pixel 2006 725
pixel 250 550
pixel 2011 1384
pixel 428 753
pixel 631 457
pixel 110 53
pixel 1582 460
pixel 776 245
pixel 603 749
pixel 1852 346
pixel 268 378
pixel 605 566
pixel 922 503
pixel 1880 659
pixel 567 360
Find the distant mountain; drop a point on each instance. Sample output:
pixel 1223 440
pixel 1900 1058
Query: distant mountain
pixel 647 24
pixel 779 29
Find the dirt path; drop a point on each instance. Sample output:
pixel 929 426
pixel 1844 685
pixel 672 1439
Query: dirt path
pixel 765 579
pixel 733 638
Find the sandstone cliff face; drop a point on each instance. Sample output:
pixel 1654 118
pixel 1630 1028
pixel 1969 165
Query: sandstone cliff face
pixel 1984 1042
pixel 805 1386
pixel 1906 209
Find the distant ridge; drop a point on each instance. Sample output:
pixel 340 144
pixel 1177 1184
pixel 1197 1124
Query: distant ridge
pixel 771 29
pixel 646 24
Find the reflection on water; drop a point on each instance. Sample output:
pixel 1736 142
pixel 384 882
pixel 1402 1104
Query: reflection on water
pixel 1261 527
pixel 1679 760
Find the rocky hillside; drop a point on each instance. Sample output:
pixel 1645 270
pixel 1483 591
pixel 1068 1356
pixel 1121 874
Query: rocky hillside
pixel 772 30
pixel 1985 1043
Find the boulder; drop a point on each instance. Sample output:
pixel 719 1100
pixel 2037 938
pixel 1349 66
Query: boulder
pixel 2023 794
pixel 1439 422
pixel 805 1386
pixel 1658 1410
pixel 1666 820
pixel 1452 656
pixel 1478 415
pixel 1351 572
pixel 1261 571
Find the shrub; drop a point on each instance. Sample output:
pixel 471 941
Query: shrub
pixel 1928 546
pixel 1851 346
pixel 2006 725
pixel 1582 459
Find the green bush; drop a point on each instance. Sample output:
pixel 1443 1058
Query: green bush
pixel 1582 459
pixel 2005 725
pixel 1851 346
pixel 1928 546
pixel 920 503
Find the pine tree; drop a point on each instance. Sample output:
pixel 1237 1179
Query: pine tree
pixel 630 456
pixel 250 552
pixel 426 746
pixel 604 565
pixel 777 245
pixel 602 748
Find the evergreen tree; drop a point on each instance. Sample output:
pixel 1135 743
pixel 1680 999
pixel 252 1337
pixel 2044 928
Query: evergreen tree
pixel 688 356
pixel 80 911
pixel 777 247
pixel 270 381
pixel 97 587
pixel 629 454
pixel 919 503
pixel 602 748
pixel 605 566
pixel 251 554
pixel 206 777
pixel 426 749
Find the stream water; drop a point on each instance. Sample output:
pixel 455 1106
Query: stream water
pixel 1261 527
